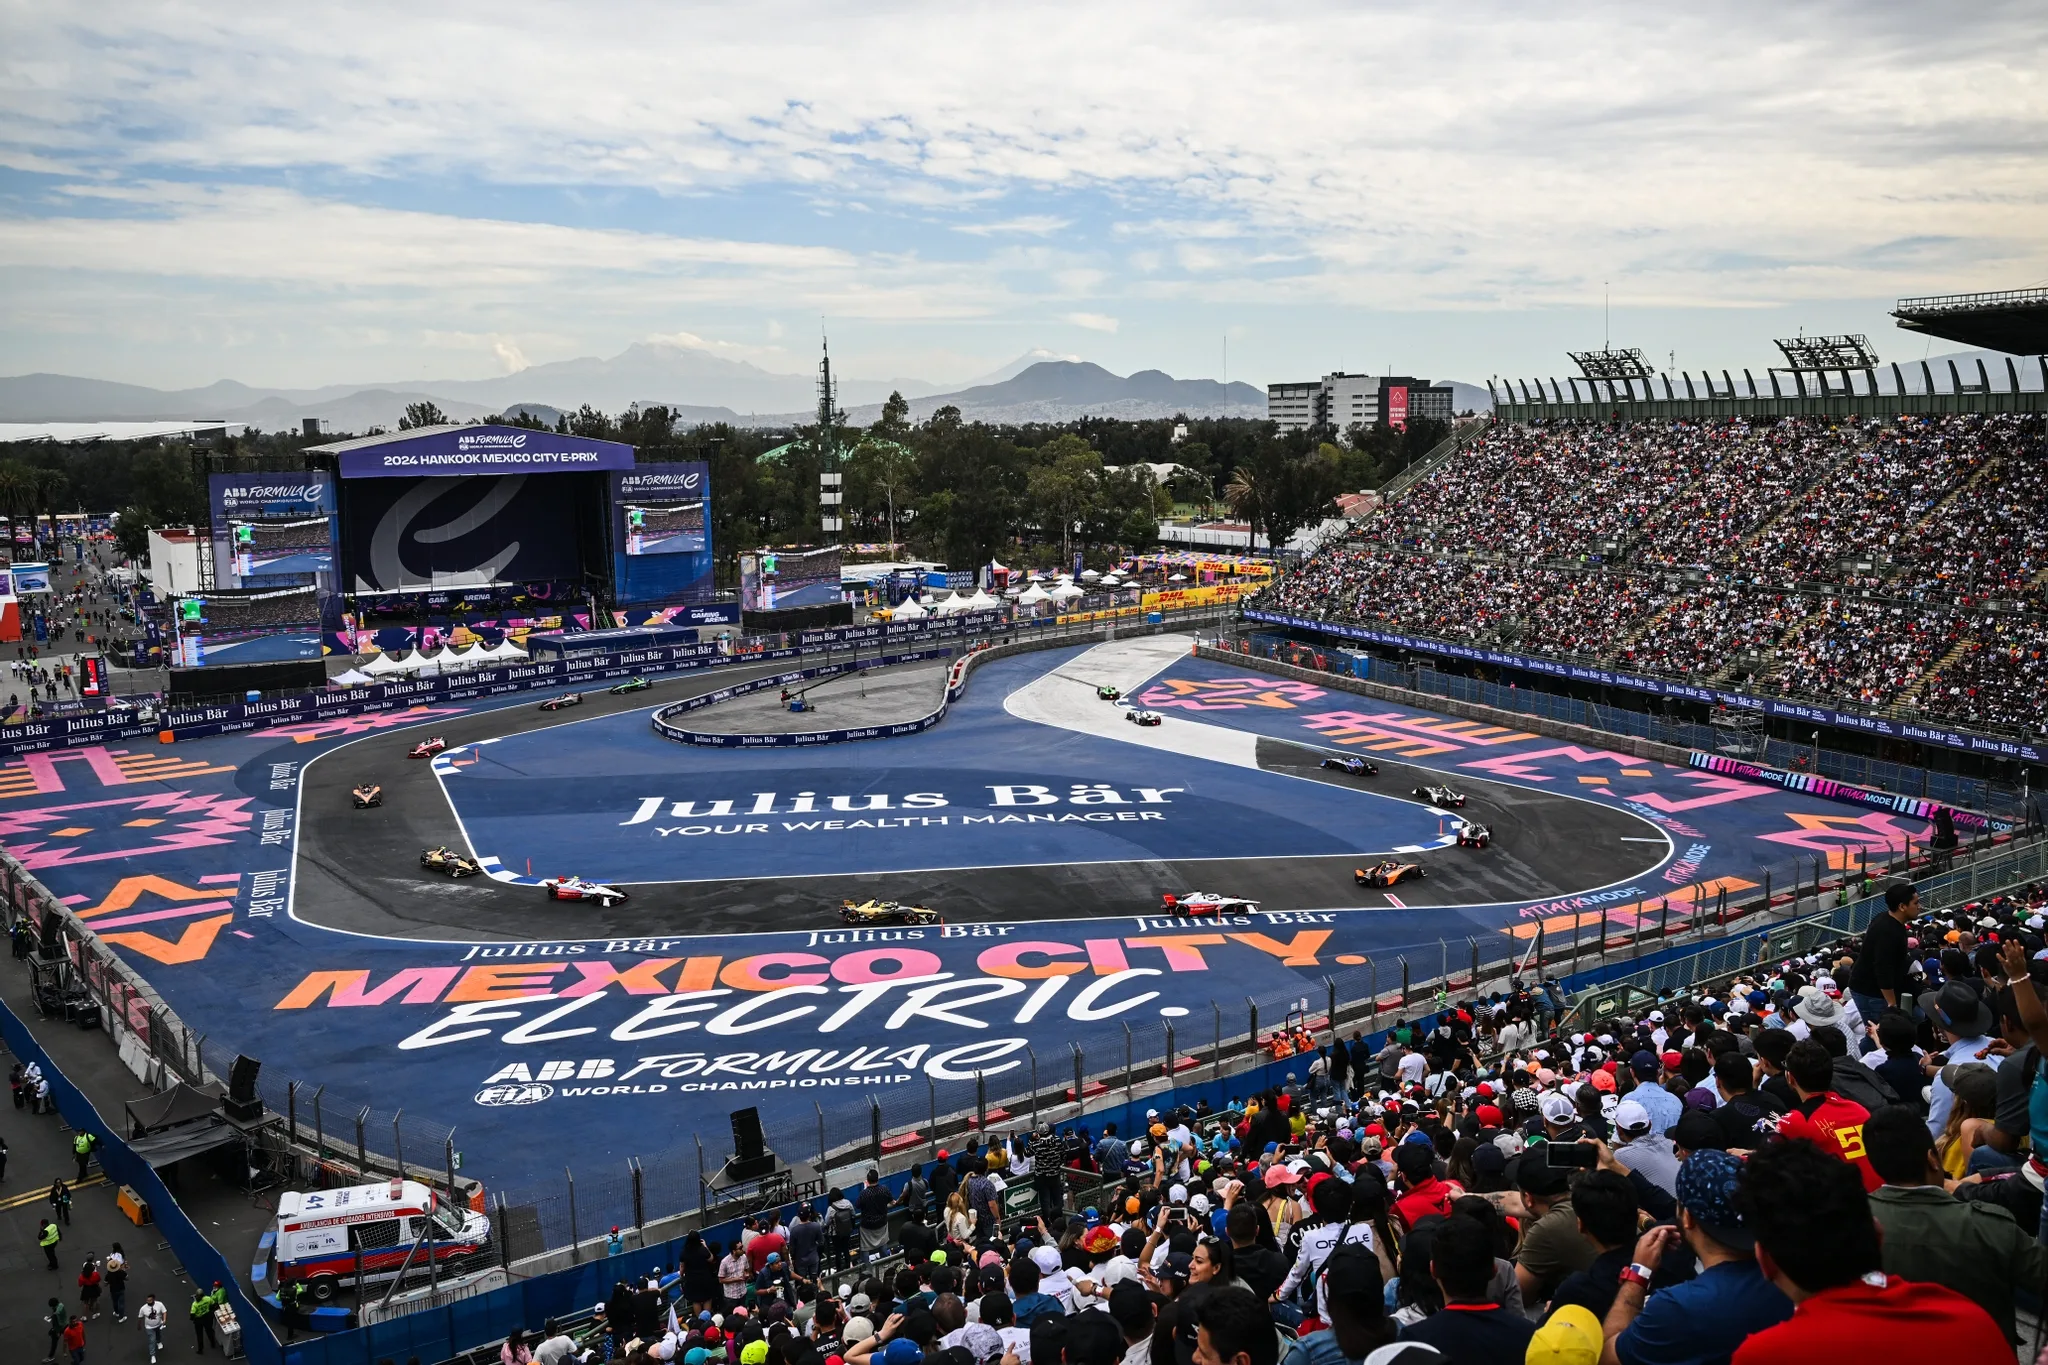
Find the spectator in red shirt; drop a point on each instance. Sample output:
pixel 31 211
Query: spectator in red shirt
pixel 764 1245
pixel 1822 1117
pixel 1422 1194
pixel 1816 1240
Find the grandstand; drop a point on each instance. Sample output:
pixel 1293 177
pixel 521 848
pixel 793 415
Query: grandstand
pixel 1875 566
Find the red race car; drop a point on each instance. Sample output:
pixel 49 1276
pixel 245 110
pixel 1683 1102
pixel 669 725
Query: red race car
pixel 1388 873
pixel 427 748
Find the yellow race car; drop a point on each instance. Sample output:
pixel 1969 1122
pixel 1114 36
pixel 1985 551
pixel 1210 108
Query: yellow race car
pixel 886 912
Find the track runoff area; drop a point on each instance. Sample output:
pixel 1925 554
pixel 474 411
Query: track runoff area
pixel 1039 822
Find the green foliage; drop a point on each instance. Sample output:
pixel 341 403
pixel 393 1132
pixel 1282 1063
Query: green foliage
pixel 422 414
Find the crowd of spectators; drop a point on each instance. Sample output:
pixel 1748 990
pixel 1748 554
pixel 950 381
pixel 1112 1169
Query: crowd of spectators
pixel 1834 1153
pixel 1838 562
pixel 261 609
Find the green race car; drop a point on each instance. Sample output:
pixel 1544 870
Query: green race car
pixel 1108 693
pixel 630 685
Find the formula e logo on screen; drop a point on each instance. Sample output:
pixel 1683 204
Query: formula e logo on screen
pixel 490 440
pixel 498 1096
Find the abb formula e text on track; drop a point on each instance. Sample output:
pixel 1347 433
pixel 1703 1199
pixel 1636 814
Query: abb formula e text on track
pixel 1441 796
pixel 1137 717
pixel 577 889
pixel 1388 873
pixel 448 862
pixel 427 748
pixel 886 912
pixel 1351 763
pixel 367 795
pixel 1205 903
pixel 566 699
pixel 629 685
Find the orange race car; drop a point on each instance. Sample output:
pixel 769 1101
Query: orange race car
pixel 1388 873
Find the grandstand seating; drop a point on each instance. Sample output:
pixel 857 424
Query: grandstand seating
pixel 1867 565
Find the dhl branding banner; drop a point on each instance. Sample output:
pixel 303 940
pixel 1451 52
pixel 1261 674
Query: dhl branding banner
pixel 1175 599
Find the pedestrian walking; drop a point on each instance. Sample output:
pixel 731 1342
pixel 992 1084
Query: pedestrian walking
pixel 81 1152
pixel 3 1158
pixel 47 1237
pixel 117 1282
pixel 89 1289
pixel 74 1340
pixel 60 1201
pixel 58 1320
pixel 154 1317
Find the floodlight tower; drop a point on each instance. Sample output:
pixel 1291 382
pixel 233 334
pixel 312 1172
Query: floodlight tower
pixel 1823 356
pixel 1619 370
pixel 830 418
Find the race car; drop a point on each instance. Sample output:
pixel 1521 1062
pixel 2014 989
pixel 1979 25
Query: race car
pixel 427 748
pixel 1108 693
pixel 367 795
pixel 1205 903
pixel 886 912
pixel 566 699
pixel 1388 873
pixel 1138 717
pixel 1441 796
pixel 629 685
pixel 577 889
pixel 449 862
pixel 1351 763
pixel 1472 834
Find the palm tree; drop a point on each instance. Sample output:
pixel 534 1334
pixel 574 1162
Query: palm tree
pixel 1246 495
pixel 16 491
pixel 46 488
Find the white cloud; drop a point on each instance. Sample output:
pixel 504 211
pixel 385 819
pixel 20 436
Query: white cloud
pixel 1094 322
pixel 1030 225
pixel 509 355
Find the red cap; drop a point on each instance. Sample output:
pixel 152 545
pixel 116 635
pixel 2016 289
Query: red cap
pixel 1489 1115
pixel 1671 1061
pixel 1485 1090
pixel 1375 1130
pixel 1610 1066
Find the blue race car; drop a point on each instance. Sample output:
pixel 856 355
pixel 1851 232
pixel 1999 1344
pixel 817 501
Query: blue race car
pixel 1352 764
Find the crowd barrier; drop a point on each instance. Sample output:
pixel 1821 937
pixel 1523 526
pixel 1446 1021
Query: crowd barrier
pixel 1884 727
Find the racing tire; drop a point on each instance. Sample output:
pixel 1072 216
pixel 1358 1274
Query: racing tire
pixel 323 1288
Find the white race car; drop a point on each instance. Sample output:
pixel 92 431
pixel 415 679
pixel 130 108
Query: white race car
pixel 577 889
pixel 1137 717
pixel 1205 903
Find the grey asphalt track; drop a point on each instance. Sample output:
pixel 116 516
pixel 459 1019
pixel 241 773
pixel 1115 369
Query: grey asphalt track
pixel 359 872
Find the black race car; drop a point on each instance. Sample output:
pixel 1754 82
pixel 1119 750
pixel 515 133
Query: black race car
pixel 1137 717
pixel 448 862
pixel 1108 693
pixel 1441 796
pixel 1472 834
pixel 1388 873
pixel 629 685
pixel 566 699
pixel 1351 763
pixel 886 912
pixel 367 795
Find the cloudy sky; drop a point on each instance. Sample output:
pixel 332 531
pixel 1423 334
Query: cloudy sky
pixel 300 195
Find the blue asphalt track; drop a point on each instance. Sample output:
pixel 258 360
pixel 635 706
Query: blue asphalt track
pixel 610 799
pixel 580 1051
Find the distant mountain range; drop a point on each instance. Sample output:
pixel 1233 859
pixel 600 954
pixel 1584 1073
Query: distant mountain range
pixel 697 386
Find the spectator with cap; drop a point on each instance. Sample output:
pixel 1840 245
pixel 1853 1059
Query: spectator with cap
pixel 1974 1248
pixel 1817 1242
pixel 1470 1329
pixel 1552 1245
pixel 1881 979
pixel 1642 1149
pixel 1422 1193
pixel 1702 1320
pixel 1135 1310
pixel 1963 1024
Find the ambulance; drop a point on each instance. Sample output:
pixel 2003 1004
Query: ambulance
pixel 320 1232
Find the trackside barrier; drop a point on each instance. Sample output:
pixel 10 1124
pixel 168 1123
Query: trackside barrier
pixel 123 1167
pixel 667 729
pixel 1962 741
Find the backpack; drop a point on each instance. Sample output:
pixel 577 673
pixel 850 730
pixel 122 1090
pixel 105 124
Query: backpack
pixel 914 1192
pixel 842 1221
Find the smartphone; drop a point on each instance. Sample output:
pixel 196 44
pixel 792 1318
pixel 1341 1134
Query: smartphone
pixel 1571 1156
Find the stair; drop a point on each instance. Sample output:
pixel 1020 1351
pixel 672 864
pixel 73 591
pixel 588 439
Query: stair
pixel 1910 696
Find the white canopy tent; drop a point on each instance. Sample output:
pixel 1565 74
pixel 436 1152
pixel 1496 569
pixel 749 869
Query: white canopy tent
pixel 1032 596
pixel 505 649
pixel 352 678
pixel 910 610
pixel 1065 592
pixel 382 666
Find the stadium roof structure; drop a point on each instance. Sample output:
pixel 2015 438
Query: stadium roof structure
pixel 1610 365
pixel 2011 320
pixel 85 433
pixel 1826 355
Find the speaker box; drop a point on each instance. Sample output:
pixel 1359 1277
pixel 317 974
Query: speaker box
pixel 751 1158
pixel 242 1103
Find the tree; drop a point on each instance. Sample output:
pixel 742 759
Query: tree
pixel 879 472
pixel 894 422
pixel 47 488
pixel 425 413
pixel 1063 485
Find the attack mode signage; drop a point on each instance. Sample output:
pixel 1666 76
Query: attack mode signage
pixel 484 450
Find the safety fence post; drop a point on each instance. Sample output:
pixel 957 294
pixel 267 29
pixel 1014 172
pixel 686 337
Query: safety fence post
pixel 1169 1050
pixel 1444 964
pixel 1664 921
pixel 980 1106
pixel 1032 1053
pixel 291 1112
pixel 1331 984
pixel 362 1153
pixel 1252 1014
pixel 875 1128
pixel 1404 984
pixel 1372 984
pixel 1079 1084
pixel 821 1133
pixel 398 1144
pixel 449 1152
pixel 1129 1065
pixel 1473 943
pixel 319 1136
pixel 639 1192
pixel 575 1243
pixel 932 1134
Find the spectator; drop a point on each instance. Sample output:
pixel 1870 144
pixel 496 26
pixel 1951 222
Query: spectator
pixel 1880 980
pixel 1232 1329
pixel 1816 1241
pixel 1746 1114
pixel 1471 1329
pixel 1605 1206
pixel 1973 1248
pixel 1357 1319
pixel 1641 1150
pixel 1963 1023
pixel 1822 1117
pixel 873 1204
pixel 1552 1245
